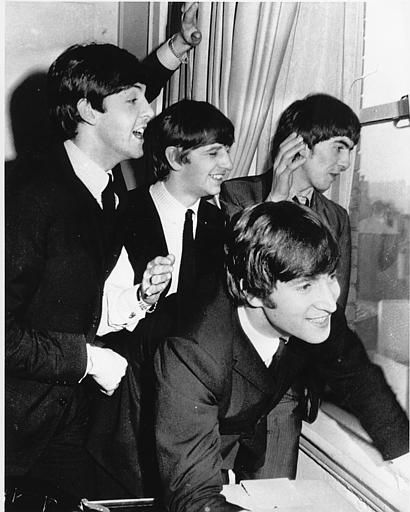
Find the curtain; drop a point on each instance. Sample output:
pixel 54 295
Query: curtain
pixel 256 58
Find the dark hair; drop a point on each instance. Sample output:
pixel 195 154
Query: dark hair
pixel 273 242
pixel 187 125
pixel 92 71
pixel 318 117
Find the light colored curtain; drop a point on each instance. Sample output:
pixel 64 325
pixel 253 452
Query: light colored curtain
pixel 256 58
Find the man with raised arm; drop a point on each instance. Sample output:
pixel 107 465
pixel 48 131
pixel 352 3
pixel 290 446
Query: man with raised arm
pixel 64 233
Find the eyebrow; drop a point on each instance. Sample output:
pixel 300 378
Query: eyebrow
pixel 303 279
pixel 213 146
pixel 347 145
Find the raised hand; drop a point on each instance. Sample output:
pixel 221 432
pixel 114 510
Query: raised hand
pixel 291 155
pixel 156 277
pixel 189 35
pixel 189 30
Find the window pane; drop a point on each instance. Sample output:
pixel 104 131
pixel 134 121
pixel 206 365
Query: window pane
pixel 382 313
pixel 387 52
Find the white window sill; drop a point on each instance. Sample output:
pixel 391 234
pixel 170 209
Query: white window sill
pixel 339 445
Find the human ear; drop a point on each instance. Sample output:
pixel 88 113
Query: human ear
pixel 86 111
pixel 173 155
pixel 254 302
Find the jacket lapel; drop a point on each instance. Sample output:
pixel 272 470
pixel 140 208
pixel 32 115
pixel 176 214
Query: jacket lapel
pixel 145 237
pixel 89 224
pixel 247 361
pixel 266 184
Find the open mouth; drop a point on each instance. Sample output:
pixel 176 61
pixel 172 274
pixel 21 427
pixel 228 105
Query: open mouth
pixel 139 133
pixel 218 177
pixel 320 321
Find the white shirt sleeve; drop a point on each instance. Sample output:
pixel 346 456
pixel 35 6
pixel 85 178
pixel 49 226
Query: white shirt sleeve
pixel 120 309
pixel 167 58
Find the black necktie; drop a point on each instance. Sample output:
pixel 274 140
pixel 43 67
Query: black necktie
pixel 278 354
pixel 186 281
pixel 108 214
pixel 108 198
pixel 301 200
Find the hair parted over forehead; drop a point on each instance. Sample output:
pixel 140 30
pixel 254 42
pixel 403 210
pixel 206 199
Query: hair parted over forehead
pixel 91 71
pixel 186 125
pixel 317 117
pixel 273 242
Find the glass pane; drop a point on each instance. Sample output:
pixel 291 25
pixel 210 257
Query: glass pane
pixel 387 52
pixel 382 315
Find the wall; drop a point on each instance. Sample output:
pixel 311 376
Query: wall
pixel 35 34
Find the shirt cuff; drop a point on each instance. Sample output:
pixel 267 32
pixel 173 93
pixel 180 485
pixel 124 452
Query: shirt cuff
pixel 167 58
pixel 120 310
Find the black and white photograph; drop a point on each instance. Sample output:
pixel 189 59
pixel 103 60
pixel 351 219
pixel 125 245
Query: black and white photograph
pixel 206 256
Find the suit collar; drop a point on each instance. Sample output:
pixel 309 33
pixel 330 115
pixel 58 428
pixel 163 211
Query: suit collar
pixel 266 183
pixel 246 359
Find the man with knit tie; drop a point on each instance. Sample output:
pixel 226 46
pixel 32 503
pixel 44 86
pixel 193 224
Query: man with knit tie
pixel 187 270
pixel 312 145
pixel 219 378
pixel 187 146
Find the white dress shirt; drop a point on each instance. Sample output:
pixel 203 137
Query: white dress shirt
pixel 120 307
pixel 265 346
pixel 94 177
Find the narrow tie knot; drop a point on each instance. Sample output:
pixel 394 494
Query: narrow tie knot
pixel 301 200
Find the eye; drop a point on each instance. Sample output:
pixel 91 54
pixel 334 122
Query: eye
pixel 333 277
pixel 305 286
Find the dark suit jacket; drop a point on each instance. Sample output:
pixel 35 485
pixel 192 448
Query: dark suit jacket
pixel 145 239
pixel 121 437
pixel 56 265
pixel 214 392
pixel 238 193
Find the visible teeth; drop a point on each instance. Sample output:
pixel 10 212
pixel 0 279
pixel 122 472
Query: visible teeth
pixel 320 321
pixel 139 133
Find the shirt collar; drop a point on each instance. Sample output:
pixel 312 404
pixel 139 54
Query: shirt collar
pixel 167 203
pixel 266 346
pixel 94 177
pixel 301 195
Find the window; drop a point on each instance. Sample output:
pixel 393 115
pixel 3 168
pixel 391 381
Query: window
pixel 380 216
pixel 381 209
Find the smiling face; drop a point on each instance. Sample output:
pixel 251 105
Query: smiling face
pixel 303 308
pixel 201 173
pixel 120 128
pixel 324 162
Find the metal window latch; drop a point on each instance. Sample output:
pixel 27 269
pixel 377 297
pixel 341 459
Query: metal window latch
pixel 397 111
pixel 403 118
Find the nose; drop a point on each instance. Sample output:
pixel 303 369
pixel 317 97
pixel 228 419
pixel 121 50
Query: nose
pixel 328 293
pixel 225 159
pixel 147 110
pixel 344 160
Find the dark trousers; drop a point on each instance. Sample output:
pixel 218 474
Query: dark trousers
pixel 64 471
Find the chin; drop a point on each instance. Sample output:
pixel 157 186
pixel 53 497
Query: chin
pixel 315 338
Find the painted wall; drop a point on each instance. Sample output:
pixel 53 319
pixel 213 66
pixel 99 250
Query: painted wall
pixel 35 34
